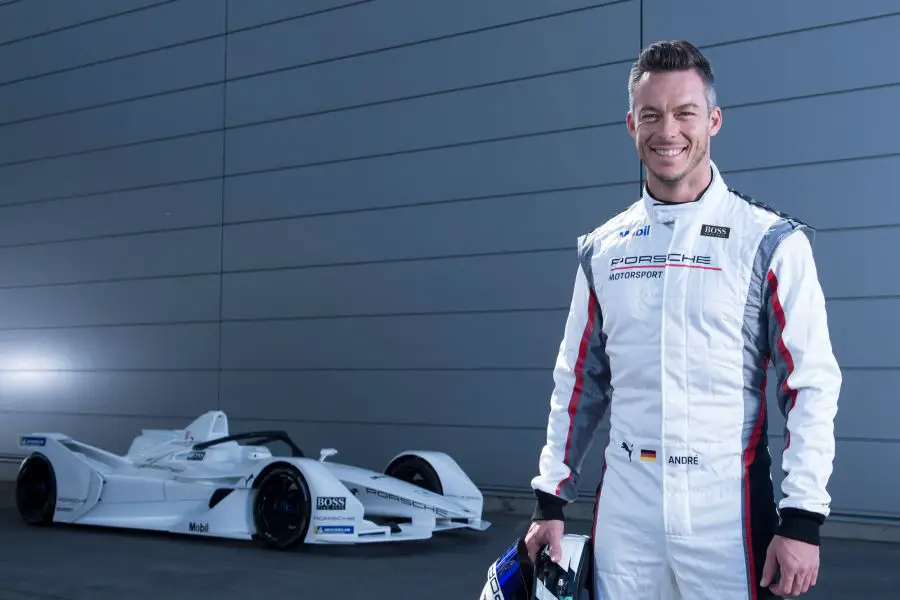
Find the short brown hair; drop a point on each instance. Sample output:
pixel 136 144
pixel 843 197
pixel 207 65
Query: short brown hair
pixel 675 55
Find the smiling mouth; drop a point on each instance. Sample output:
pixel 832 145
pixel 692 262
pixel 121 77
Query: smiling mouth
pixel 669 152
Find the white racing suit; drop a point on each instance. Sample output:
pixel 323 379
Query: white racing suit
pixel 677 311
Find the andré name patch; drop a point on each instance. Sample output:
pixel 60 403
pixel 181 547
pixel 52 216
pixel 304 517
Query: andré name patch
pixel 716 231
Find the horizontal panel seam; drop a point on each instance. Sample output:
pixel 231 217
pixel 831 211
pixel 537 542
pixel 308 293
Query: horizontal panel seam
pixel 729 42
pixel 790 32
pixel 339 369
pixel 216 271
pixel 408 44
pixel 430 94
pixel 212 82
pixel 113 59
pixel 221 83
pixel 318 163
pixel 113 191
pixel 232 418
pixel 435 203
pixel 430 40
pixel 172 323
pixel 449 425
pixel 402 151
pixel 298 17
pixel 331 213
pixel 62 28
pixel 338 265
pixel 343 57
pixel 548 75
pixel 341 7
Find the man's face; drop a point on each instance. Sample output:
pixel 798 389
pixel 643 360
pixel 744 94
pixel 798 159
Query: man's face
pixel 672 124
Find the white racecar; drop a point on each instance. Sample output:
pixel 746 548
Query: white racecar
pixel 201 481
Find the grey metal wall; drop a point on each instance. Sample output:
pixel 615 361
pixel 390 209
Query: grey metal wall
pixel 366 235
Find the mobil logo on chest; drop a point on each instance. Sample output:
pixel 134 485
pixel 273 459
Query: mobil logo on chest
pixel 642 232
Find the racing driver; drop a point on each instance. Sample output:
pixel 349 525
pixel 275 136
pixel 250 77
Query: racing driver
pixel 680 304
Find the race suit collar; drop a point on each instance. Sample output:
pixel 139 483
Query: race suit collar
pixel 668 212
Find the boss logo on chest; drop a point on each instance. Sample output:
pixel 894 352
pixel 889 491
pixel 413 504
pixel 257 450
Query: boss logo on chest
pixel 716 231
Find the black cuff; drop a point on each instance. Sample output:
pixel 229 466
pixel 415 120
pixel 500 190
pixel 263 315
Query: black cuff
pixel 548 507
pixel 801 525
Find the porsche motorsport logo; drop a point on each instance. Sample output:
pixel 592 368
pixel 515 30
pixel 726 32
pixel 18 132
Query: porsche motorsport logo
pixel 652 266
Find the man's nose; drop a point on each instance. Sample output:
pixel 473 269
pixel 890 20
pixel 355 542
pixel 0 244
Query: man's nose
pixel 670 127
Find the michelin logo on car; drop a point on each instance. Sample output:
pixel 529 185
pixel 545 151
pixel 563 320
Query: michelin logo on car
pixel 334 529
pixel 32 441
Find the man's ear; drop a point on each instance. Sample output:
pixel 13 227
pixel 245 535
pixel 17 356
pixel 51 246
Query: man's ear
pixel 629 122
pixel 715 121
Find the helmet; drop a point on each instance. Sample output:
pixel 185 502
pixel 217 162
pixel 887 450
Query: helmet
pixel 513 576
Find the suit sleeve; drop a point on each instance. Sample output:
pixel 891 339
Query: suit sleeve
pixel 578 402
pixel 809 383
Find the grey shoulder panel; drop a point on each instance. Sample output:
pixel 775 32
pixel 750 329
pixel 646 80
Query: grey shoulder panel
pixel 585 256
pixel 788 221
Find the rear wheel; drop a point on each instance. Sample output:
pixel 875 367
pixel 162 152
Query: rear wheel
pixel 417 471
pixel 282 508
pixel 36 490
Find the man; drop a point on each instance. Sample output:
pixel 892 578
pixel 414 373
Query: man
pixel 679 304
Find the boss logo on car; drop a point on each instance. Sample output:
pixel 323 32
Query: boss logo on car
pixel 331 503
pixel 196 455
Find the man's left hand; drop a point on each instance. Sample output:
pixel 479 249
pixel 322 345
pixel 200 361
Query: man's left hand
pixel 798 563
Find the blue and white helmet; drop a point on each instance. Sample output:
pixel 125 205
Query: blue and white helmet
pixel 514 577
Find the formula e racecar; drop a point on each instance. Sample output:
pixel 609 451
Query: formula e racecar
pixel 201 481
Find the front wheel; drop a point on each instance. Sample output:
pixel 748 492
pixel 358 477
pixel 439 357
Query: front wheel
pixel 36 490
pixel 282 508
pixel 417 471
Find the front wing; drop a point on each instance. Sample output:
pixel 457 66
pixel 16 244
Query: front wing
pixel 379 508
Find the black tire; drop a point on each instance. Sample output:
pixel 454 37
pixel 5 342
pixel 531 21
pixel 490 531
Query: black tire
pixel 282 509
pixel 417 471
pixel 36 490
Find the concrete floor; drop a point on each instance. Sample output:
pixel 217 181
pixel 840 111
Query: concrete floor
pixel 64 563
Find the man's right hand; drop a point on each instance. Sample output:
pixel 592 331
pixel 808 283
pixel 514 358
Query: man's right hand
pixel 542 533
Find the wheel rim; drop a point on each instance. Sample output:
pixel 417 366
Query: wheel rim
pixel 35 490
pixel 282 502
